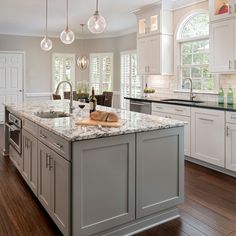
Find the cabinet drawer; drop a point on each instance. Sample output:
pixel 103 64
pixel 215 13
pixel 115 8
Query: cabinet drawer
pixel 231 117
pixel 30 126
pixel 58 144
pixel 171 109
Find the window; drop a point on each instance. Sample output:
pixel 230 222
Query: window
pixel 101 72
pixel 130 83
pixel 63 69
pixel 193 39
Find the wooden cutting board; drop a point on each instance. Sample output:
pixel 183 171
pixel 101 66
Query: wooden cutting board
pixel 90 122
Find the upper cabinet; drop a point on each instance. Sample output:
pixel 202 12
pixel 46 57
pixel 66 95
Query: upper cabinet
pixel 155 40
pixel 222 37
pixel 149 23
pixel 222 9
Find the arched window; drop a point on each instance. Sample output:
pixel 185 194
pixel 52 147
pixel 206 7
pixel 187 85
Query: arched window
pixel 193 39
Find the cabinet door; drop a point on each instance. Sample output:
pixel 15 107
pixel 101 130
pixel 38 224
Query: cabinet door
pixel 153 58
pixel 231 147
pixel 29 160
pixel 208 136
pixel 187 128
pixel 156 188
pixel 44 176
pixel 142 56
pixel 103 183
pixel 222 46
pixel 61 189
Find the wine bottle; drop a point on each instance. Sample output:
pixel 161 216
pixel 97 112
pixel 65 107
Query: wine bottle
pixel 92 101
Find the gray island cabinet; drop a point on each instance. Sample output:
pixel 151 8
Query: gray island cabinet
pixel 101 181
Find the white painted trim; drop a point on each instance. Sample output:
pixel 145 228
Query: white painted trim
pixel 30 95
pixel 178 5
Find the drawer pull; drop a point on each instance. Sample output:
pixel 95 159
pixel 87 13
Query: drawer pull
pixel 57 145
pixel 43 136
pixel 204 119
pixel 227 131
pixel 50 163
pixel 161 108
pixel 47 160
pixel 179 110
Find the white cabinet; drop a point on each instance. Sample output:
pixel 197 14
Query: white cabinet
pixel 155 40
pixel 230 141
pixel 221 9
pixel 149 55
pixel 54 186
pixel 208 136
pixel 149 23
pixel 155 55
pixel 29 160
pixel 222 55
pixel 176 113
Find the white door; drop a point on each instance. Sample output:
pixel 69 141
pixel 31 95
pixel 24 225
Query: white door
pixel 222 46
pixel 231 147
pixel 11 80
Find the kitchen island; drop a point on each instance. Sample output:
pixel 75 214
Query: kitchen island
pixel 97 180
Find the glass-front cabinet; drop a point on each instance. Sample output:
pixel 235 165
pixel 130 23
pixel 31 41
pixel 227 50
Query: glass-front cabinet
pixel 149 23
pixel 220 9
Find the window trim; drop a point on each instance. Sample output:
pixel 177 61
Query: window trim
pixel 100 55
pixel 179 41
pixel 53 69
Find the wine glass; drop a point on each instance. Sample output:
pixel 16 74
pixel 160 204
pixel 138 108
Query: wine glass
pixel 82 102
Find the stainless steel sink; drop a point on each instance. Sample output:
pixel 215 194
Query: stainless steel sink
pixel 52 114
pixel 181 101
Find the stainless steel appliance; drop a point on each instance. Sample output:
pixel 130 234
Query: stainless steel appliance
pixel 141 107
pixel 15 132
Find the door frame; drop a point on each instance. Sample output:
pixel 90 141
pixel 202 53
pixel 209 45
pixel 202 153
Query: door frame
pixel 23 69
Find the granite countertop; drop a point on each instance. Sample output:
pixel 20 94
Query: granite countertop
pixel 202 104
pixel 67 128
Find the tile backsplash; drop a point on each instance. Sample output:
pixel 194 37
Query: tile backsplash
pixel 166 86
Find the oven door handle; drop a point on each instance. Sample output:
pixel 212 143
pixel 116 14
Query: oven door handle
pixel 13 127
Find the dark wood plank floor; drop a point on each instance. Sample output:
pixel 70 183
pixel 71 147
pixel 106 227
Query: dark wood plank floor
pixel 209 207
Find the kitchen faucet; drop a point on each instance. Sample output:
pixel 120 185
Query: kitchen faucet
pixel 192 96
pixel 71 93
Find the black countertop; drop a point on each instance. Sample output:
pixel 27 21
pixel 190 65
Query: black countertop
pixel 203 104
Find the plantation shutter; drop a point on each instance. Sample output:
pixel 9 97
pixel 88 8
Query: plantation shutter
pixel 130 83
pixel 101 72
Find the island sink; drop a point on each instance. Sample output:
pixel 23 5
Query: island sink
pixel 52 114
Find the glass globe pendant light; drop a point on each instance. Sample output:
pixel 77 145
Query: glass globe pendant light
pixel 97 23
pixel 82 61
pixel 67 36
pixel 46 43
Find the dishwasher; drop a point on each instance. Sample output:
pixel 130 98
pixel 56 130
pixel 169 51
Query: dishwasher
pixel 141 107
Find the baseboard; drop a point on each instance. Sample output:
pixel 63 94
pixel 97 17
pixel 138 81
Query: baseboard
pixel 211 166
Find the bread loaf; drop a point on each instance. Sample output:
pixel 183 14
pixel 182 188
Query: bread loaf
pixel 104 116
pixel 112 117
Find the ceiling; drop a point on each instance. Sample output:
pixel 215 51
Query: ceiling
pixel 27 17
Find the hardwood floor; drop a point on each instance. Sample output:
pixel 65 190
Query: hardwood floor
pixel 209 207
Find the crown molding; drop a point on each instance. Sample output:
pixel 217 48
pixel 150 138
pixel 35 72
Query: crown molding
pixel 78 36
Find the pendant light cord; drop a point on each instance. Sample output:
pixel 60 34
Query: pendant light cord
pixel 96 12
pixel 67 18
pixel 46 18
